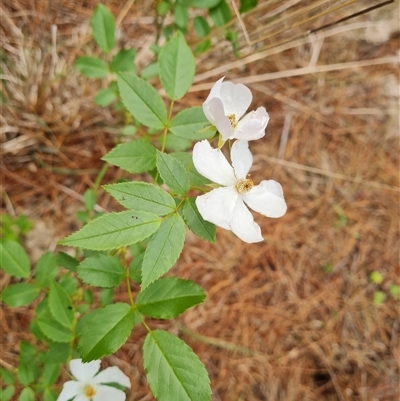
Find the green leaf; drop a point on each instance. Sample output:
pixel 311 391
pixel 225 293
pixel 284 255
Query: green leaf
pixel 142 100
pixel 106 296
pixel 13 259
pixel 50 394
pixel 114 230
pixel 46 269
pixel 104 97
pixel 195 221
pixel 54 331
pixel 51 372
pixel 221 14
pixel 25 373
pixel 177 67
pixel 162 7
pixel 123 61
pixel 102 271
pixel 150 71
pixel 70 284
pixel 163 249
pixel 88 296
pixel 23 223
pixel 201 26
pixel 202 46
pixel 6 376
pixel 204 3
pixel 175 143
pixel 60 305
pixel 103 26
pixel 142 196
pixel 232 36
pixel 57 353
pixel 35 330
pixel 90 199
pixel 173 173
pixel 136 156
pixel 247 5
pixel 20 294
pixel 27 352
pixel 188 121
pixel 135 268
pixel 173 370
pixel 196 180
pixel 106 331
pixel 91 67
pixel 181 15
pixel 168 297
pixel 27 394
pixel 7 393
pixel 129 130
pixel 67 261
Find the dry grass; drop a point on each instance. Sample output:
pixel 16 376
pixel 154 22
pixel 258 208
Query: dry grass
pixel 288 319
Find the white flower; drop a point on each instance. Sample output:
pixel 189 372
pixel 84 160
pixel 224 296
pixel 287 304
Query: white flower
pixel 226 104
pixel 225 206
pixel 90 386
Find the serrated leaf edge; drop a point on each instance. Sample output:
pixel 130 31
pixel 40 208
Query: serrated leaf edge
pixel 184 169
pixel 212 240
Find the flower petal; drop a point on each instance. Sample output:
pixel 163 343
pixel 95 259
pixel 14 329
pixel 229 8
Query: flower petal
pixel 112 375
pixel 215 90
pixel 214 111
pixel 70 390
pixel 267 199
pixel 236 98
pixel 84 371
pixel 108 393
pixel 217 206
pixel 252 125
pixel 243 224
pixel 80 397
pixel 242 159
pixel 212 164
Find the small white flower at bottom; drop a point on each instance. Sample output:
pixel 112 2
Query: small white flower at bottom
pixel 225 206
pixel 90 386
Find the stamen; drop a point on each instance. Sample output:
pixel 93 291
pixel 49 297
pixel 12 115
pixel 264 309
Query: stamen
pixel 232 120
pixel 244 186
pixel 89 391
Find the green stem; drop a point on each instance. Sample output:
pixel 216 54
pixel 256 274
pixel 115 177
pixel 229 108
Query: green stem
pixel 128 286
pixel 164 139
pixel 100 176
pixel 166 128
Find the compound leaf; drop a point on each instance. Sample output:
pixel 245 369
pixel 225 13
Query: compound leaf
pixel 173 370
pixel 114 230
pixel 163 249
pixel 168 297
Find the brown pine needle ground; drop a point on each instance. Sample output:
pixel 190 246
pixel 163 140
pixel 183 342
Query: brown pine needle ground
pixel 288 319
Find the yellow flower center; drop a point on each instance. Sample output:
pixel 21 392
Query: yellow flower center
pixel 89 391
pixel 244 186
pixel 232 120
